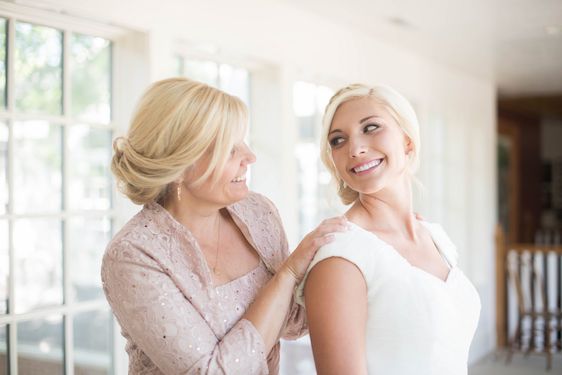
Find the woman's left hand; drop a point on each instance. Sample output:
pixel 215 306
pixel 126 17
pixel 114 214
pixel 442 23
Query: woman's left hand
pixel 298 262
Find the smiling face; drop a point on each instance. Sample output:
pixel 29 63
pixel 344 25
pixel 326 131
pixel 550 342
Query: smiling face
pixel 368 147
pixel 227 188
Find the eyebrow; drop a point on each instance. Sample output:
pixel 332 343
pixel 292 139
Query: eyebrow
pixel 360 121
pixel 334 131
pixel 367 118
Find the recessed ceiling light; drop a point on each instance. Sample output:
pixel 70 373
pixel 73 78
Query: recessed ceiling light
pixel 400 22
pixel 552 30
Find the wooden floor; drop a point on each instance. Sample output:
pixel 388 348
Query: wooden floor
pixel 520 365
pixel 297 360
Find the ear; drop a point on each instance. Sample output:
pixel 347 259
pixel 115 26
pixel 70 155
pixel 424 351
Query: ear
pixel 408 144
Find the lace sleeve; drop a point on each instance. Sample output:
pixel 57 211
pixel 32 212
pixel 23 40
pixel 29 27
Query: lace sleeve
pixel 158 318
pixel 296 325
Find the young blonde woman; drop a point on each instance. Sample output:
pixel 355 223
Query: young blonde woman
pixel 200 279
pixel 386 297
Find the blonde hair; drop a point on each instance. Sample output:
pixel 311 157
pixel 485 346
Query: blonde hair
pixel 176 122
pixel 398 107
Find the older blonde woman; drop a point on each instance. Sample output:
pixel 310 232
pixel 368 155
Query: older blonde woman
pixel 389 289
pixel 200 279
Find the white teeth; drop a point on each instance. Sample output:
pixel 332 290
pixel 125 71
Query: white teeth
pixel 370 165
pixel 239 179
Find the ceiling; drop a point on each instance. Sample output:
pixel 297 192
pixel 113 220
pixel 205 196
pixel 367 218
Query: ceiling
pixel 538 106
pixel 518 43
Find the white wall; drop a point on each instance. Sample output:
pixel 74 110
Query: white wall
pixel 456 109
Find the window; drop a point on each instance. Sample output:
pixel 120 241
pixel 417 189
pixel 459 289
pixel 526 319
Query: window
pixel 317 196
pixel 318 199
pixel 231 79
pixel 55 198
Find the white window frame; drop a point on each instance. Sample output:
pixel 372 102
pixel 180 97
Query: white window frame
pixel 69 308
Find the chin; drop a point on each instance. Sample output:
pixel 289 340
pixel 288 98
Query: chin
pixel 238 195
pixel 368 189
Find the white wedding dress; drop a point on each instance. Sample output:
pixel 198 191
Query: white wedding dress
pixel 417 323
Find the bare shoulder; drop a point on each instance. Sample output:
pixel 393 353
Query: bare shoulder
pixel 336 297
pixel 335 278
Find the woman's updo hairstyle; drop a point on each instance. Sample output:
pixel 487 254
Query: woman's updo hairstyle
pixel 398 107
pixel 176 122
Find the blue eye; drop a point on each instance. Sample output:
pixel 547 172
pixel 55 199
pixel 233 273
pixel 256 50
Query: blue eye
pixel 370 128
pixel 336 141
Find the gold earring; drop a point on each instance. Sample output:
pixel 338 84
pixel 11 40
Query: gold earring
pixel 178 191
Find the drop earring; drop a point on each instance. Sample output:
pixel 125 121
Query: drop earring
pixel 178 191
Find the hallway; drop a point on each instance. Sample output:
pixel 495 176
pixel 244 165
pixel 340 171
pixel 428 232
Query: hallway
pixel 532 365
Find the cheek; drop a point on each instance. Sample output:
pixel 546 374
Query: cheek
pixel 230 171
pixel 339 163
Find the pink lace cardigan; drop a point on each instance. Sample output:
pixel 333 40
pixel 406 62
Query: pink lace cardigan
pixel 175 321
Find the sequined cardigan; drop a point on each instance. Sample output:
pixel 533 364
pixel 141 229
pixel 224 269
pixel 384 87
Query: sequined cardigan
pixel 175 321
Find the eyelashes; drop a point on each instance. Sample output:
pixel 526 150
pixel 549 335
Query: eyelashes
pixel 337 140
pixel 370 128
pixel 334 142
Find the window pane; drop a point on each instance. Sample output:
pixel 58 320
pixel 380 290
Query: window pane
pixel 179 70
pixel 38 263
pixel 4 266
pixel 317 196
pixel 323 95
pixel 203 71
pixel 235 81
pixel 4 349
pixel 304 99
pixel 38 69
pixel 3 168
pixel 304 105
pixel 40 346
pixel 37 167
pixel 91 78
pixel 92 343
pixel 3 25
pixel 307 157
pixel 89 175
pixel 88 238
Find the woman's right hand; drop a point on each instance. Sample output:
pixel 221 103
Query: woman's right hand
pixel 298 261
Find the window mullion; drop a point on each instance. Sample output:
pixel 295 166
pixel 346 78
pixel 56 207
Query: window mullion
pixel 67 277
pixel 12 332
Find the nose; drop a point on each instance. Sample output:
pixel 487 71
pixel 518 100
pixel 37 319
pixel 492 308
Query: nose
pixel 356 148
pixel 249 156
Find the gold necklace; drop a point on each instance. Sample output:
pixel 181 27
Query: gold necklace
pixel 217 250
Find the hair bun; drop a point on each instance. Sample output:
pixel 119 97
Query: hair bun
pixel 118 146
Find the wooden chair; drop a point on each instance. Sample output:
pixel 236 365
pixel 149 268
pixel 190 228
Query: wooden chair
pixel 544 322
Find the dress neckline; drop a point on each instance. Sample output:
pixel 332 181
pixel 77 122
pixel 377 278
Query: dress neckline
pixel 436 242
pixel 183 229
pixel 245 276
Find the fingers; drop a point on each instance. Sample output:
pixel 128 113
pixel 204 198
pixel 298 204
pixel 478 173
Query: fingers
pixel 419 216
pixel 336 219
pixel 331 225
pixel 320 241
pixel 325 229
